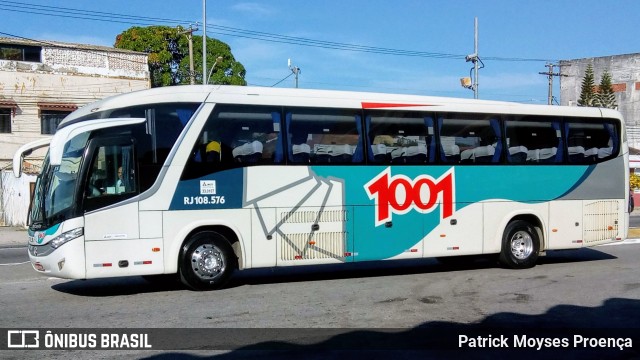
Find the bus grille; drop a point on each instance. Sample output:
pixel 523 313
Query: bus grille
pixel 298 217
pixel 318 245
pixel 600 221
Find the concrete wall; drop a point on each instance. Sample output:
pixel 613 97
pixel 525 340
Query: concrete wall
pixel 15 196
pixel 66 76
pixel 625 77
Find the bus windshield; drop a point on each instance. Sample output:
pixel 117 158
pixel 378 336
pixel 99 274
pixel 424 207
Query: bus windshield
pixel 55 189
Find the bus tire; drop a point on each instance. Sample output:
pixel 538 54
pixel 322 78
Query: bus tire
pixel 520 245
pixel 207 261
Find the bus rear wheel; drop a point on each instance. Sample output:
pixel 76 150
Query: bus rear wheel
pixel 520 245
pixel 207 261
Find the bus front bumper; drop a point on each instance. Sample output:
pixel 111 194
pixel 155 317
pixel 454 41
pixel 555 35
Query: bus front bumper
pixel 66 261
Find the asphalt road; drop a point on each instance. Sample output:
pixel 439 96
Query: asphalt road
pixel 572 290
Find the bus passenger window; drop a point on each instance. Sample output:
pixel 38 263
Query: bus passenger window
pixel 470 139
pixel 324 136
pixel 537 137
pixel 590 142
pixel 236 136
pixel 400 138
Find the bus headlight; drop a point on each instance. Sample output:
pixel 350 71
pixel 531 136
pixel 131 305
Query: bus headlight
pixel 66 237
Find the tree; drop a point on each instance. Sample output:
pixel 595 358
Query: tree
pixel 168 50
pixel 587 94
pixel 226 72
pixel 605 97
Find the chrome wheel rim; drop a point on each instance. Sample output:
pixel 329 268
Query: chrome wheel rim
pixel 207 262
pixel 521 245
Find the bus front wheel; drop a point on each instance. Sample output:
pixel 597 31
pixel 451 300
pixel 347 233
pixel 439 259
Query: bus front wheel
pixel 520 245
pixel 207 261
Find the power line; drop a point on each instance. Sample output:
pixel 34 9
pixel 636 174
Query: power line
pixel 236 32
pixel 82 14
pixel 285 78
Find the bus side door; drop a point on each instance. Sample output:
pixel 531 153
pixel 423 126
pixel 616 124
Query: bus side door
pixel 112 230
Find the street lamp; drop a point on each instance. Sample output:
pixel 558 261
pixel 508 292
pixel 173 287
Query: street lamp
pixel 218 60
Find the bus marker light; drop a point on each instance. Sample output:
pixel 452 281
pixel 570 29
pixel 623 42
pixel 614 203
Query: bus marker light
pixel 554 230
pixel 454 248
pixel 298 257
pixel 609 227
pixel 618 238
pixel 443 235
pixel 577 241
pixel 414 250
pixel 103 265
pixel 156 249
pixel 146 262
pixel 312 242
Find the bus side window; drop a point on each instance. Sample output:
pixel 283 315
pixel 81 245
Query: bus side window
pixel 470 139
pixel 328 136
pixel 235 136
pixel 112 176
pixel 540 137
pixel 399 138
pixel 590 142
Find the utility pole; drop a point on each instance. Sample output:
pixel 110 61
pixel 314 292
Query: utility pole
pixel 204 42
pixel 192 73
pixel 475 62
pixel 474 58
pixel 295 70
pixel 550 74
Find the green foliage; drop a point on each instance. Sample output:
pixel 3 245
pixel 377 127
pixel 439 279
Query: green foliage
pixel 587 94
pixel 226 72
pixel 601 96
pixel 168 50
pixel 606 98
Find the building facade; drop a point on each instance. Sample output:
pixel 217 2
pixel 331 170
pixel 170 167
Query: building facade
pixel 40 83
pixel 625 78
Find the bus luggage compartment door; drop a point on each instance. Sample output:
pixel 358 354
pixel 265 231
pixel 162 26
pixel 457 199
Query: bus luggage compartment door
pixel 113 245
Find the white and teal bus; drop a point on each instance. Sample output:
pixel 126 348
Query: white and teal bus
pixel 200 181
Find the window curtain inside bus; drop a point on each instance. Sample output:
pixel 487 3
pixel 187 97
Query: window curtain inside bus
pixel 566 134
pixel 443 156
pixel 289 137
pixel 495 125
pixel 127 168
pixel 370 154
pixel 358 154
pixel 430 139
pixel 560 146
pixel 615 142
pixel 184 115
pixel 278 156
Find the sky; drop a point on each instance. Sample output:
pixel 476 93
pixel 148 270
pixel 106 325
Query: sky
pixel 401 46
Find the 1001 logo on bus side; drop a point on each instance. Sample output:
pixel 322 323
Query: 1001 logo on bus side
pixel 399 194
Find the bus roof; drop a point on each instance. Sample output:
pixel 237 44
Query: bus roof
pixel 327 98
